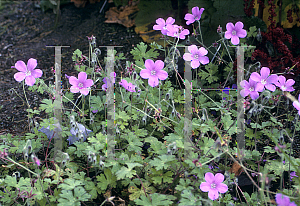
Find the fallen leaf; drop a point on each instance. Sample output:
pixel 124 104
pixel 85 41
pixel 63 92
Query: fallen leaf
pixel 236 169
pixel 124 16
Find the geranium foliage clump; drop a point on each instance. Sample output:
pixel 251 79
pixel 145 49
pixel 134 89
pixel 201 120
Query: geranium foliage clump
pixel 147 135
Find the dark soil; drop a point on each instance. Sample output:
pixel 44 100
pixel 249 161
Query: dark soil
pixel 25 31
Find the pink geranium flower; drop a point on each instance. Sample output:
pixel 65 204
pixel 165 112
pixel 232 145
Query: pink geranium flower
pixel 283 200
pixel 153 72
pixel 296 104
pixel 250 88
pixel 214 185
pixel 196 15
pixel 81 84
pixel 285 85
pixel 27 72
pixel 234 32
pixel 162 24
pixel 264 80
pixel 196 56
pixel 177 31
pixel 112 76
pixel 128 86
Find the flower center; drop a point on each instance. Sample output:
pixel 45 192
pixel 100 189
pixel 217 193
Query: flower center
pixel 283 88
pixel 80 85
pixel 28 73
pixel 263 81
pixel 233 32
pixel 251 89
pixel 196 56
pixel 165 28
pixel 153 72
pixel 213 186
pixel 196 18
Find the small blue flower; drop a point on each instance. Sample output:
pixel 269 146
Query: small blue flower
pixel 76 132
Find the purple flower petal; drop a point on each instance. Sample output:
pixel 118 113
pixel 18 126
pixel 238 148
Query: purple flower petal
pixel 272 79
pixel 213 194
pixel 219 178
pixel 82 76
pixel 244 92
pixel 270 87
pixel 21 66
pixel 84 91
pixel 19 76
pixel 88 83
pixel 153 81
pixel 242 33
pixel 203 51
pixel 244 84
pixel 162 75
pixel 160 21
pixel 193 49
pixel 228 35
pixel 265 72
pixel 209 177
pixel 235 40
pixel 289 83
pixel 37 73
pixel 259 87
pixel 254 95
pixel 229 26
pixel 74 89
pixel 255 77
pixel 187 57
pixel 204 60
pixel 159 65
pixel 149 64
pixel 170 20
pixel 222 188
pixel 73 81
pixel 29 80
pixel 195 64
pixel 145 73
pixel 31 64
pixel 190 19
pixel 281 80
pixel 205 186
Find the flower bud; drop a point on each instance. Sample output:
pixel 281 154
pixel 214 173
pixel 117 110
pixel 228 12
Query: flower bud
pixel 97 51
pixel 144 120
pixel 94 159
pixel 117 131
pixel 101 164
pixel 26 156
pixel 167 96
pixel 134 76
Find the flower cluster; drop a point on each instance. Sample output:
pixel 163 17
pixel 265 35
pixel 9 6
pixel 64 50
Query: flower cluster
pixel 258 83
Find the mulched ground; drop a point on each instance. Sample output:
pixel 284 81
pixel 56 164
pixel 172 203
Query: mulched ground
pixel 24 33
